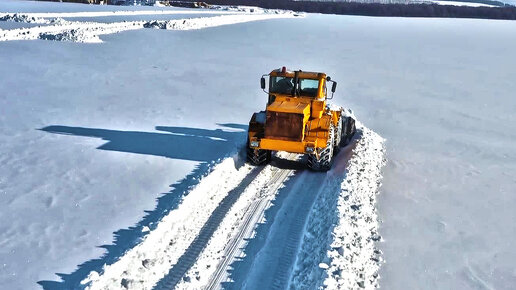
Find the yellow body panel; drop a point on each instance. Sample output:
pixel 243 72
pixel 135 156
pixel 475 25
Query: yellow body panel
pixel 318 128
pixel 290 105
pixel 318 108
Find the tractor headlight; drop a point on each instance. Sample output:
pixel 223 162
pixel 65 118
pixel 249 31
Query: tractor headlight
pixel 309 149
pixel 255 143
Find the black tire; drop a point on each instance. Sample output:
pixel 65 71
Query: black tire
pixel 325 160
pixel 338 136
pixel 348 131
pixel 258 156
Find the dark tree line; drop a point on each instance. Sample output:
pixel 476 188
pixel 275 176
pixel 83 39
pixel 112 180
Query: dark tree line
pixel 377 9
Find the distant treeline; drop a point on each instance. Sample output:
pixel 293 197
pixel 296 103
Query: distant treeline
pixel 377 9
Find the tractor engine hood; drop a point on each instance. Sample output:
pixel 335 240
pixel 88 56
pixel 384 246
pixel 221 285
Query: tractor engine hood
pixel 290 107
pixel 286 120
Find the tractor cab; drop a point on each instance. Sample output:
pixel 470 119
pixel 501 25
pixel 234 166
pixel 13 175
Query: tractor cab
pixel 297 84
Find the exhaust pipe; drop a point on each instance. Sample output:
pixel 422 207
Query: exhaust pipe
pixel 296 83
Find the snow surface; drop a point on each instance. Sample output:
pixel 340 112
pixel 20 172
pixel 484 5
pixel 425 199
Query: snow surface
pixel 93 135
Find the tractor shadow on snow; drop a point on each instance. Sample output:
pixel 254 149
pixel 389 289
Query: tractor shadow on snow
pixel 205 146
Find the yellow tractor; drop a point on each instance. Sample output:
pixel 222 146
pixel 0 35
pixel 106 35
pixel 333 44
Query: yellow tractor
pixel 298 120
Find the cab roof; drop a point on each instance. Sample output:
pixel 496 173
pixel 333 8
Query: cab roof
pixel 283 72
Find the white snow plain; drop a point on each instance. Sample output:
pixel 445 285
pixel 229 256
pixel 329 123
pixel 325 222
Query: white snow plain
pixel 147 108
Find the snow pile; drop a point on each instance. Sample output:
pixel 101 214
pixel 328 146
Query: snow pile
pixel 77 31
pixel 205 22
pixel 354 259
pixel 70 31
pixel 338 249
pixel 248 9
pixel 90 32
pixel 72 35
pixel 17 17
pixel 30 18
pixel 40 17
pixel 144 265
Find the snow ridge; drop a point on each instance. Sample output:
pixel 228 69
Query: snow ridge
pixel 24 18
pixel 339 250
pixel 204 22
pixel 354 256
pixel 89 32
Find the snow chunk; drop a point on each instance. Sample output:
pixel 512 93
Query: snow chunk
pixel 17 17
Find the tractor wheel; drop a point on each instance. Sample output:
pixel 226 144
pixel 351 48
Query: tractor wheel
pixel 325 160
pixel 338 136
pixel 258 156
pixel 348 131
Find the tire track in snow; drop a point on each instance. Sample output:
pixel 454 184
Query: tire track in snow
pixel 188 259
pixel 289 249
pixel 169 251
pixel 253 214
pixel 272 265
pixel 285 233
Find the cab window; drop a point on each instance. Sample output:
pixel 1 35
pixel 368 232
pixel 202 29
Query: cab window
pixel 308 87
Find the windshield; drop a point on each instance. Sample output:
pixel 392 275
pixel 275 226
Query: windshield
pixel 308 87
pixel 284 85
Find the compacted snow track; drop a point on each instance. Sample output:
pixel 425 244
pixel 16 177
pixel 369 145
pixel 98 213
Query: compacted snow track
pixel 188 259
pixel 253 214
pixel 181 237
pixel 244 226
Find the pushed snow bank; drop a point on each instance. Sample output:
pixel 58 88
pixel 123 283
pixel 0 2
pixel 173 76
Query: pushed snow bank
pixel 24 18
pixel 339 249
pixel 89 32
pixel 354 256
pixel 205 22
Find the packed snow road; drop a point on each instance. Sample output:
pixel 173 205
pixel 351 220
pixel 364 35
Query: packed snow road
pixel 244 226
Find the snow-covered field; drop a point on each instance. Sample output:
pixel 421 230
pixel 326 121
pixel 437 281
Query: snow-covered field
pixel 101 141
